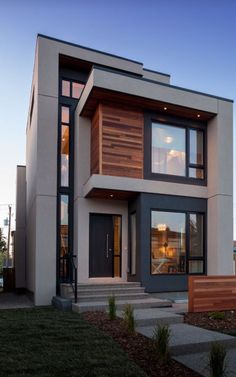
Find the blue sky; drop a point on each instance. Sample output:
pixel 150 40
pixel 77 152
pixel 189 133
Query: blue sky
pixel 194 41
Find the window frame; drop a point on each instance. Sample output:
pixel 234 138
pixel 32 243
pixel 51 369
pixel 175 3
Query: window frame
pixel 187 243
pixel 188 125
pixel 71 81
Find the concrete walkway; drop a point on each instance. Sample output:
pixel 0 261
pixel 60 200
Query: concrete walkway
pixel 14 301
pixel 189 345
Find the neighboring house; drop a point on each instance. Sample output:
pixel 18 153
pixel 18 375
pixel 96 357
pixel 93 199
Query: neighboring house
pixel 123 169
pixel 235 257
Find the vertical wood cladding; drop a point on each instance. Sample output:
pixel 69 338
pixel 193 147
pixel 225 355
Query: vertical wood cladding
pixel 122 142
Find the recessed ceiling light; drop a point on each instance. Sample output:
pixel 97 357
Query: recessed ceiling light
pixel 111 195
pixel 165 108
pixel 198 115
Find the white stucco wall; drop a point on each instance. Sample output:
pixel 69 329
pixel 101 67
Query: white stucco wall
pixel 220 191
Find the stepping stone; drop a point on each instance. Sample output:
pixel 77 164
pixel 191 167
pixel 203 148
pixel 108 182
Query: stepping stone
pixel 187 339
pixel 153 316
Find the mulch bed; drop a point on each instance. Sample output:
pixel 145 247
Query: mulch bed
pixel 226 325
pixel 138 347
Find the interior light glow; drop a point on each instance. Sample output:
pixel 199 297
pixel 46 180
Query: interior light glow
pixel 168 139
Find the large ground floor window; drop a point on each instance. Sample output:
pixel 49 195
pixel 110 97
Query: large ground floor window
pixel 177 242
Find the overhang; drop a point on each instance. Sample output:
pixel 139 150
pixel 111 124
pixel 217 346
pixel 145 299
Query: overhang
pixel 105 85
pixel 123 188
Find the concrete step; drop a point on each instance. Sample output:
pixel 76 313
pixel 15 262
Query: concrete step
pixel 106 289
pixel 153 317
pixel 105 297
pixel 116 285
pixel 110 291
pixel 187 339
pixel 137 304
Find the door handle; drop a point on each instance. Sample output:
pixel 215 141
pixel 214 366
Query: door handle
pixel 107 246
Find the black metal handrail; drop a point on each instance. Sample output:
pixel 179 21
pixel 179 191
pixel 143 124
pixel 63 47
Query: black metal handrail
pixel 74 275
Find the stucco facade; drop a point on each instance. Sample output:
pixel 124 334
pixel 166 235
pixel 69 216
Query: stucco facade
pixel 119 83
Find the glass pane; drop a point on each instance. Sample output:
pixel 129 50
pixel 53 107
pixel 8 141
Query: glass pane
pixel 65 114
pixel 64 225
pixel 196 173
pixel 64 155
pixel 195 267
pixel 133 243
pixel 168 150
pixel 65 88
pixel 196 235
pixel 168 236
pixel 77 89
pixel 117 244
pixel 196 147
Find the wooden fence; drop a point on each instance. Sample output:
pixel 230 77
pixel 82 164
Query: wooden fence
pixel 211 293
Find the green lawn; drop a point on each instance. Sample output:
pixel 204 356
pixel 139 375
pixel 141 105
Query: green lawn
pixel 46 342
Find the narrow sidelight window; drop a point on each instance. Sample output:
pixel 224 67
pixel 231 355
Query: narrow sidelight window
pixel 196 235
pixel 133 243
pixel 64 236
pixel 65 155
pixel 64 225
pixel 117 245
pixel 65 114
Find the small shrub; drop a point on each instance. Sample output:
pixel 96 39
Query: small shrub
pixel 112 307
pixel 217 360
pixel 216 315
pixel 129 318
pixel 161 338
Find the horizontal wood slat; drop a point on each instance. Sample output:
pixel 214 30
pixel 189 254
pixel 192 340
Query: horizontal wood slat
pixel 211 293
pixel 95 147
pixel 122 142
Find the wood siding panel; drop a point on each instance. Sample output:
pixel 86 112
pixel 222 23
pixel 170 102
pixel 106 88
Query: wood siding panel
pixel 212 293
pixel 122 142
pixel 95 143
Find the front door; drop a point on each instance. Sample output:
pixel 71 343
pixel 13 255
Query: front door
pixel 104 253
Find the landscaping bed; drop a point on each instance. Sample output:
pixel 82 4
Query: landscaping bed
pixel 224 321
pixel 138 347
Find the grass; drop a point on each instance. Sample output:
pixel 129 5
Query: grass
pixel 46 342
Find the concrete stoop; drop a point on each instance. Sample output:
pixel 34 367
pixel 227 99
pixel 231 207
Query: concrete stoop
pixel 93 297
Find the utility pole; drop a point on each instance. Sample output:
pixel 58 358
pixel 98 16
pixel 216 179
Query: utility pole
pixel 9 235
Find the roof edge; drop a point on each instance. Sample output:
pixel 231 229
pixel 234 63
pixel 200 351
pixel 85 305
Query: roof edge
pixel 87 48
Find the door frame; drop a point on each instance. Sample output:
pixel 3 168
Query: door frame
pixel 120 265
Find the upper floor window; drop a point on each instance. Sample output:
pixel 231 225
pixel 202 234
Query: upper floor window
pixel 175 150
pixel 71 89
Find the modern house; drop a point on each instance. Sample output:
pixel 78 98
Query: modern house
pixel 129 173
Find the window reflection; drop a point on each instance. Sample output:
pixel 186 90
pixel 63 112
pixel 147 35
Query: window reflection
pixel 77 89
pixel 65 114
pixel 196 147
pixel 168 150
pixel 65 86
pixel 117 245
pixel 64 155
pixel 168 242
pixel 64 225
pixel 196 173
pixel 196 235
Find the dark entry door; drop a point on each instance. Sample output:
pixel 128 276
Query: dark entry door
pixel 101 246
